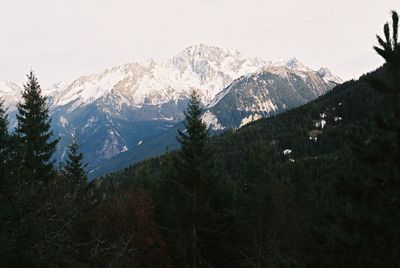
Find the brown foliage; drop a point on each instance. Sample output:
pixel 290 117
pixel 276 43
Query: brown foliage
pixel 125 234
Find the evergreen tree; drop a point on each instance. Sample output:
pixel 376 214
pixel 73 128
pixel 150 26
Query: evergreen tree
pixel 258 206
pixel 193 156
pixel 6 189
pixel 40 224
pixel 74 168
pixel 389 87
pixel 73 182
pixel 390 47
pixel 381 158
pixel 366 222
pixel 197 207
pixel 35 133
pixel 4 144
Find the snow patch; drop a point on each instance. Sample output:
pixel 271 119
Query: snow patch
pixel 170 118
pixel 287 151
pixel 211 121
pixel 110 147
pixel 261 106
pixel 250 118
pixel 63 121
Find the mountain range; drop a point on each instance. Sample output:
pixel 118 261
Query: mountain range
pixel 132 111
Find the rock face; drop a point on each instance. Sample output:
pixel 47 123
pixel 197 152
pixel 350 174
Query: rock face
pixel 116 110
pixel 267 92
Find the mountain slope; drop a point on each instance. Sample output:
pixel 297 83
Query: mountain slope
pixel 112 111
pixel 300 129
pixel 314 176
pixel 267 92
pixel 204 68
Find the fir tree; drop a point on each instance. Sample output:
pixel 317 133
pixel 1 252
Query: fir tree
pixel 35 133
pixel 389 122
pixel 39 219
pixel 193 156
pixel 197 208
pixel 389 49
pixel 6 190
pixel 366 222
pixel 389 87
pixel 4 143
pixel 74 168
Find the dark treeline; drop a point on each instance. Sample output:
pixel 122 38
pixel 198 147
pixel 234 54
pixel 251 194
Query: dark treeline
pixel 51 217
pixel 317 186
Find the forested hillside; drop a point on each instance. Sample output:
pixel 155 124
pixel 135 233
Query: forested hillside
pixel 283 175
pixel 317 186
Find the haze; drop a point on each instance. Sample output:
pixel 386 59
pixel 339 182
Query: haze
pixel 64 39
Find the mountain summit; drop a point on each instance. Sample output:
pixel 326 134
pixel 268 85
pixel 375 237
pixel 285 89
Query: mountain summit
pixel 204 68
pixel 116 110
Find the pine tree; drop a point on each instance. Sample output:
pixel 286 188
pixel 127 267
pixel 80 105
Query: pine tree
pixel 39 219
pixel 193 156
pixel 389 48
pixel 257 191
pixel 389 87
pixel 4 143
pixel 389 123
pixel 197 208
pixel 35 133
pixel 74 168
pixel 6 190
pixel 381 158
pixel 365 226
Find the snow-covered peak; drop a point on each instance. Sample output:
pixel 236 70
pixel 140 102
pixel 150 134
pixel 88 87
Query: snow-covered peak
pixel 281 71
pixel 202 58
pixel 282 68
pixel 210 69
pixel 295 64
pixel 327 75
pixel 207 52
pixel 54 89
pixel 149 64
pixel 10 93
pixel 89 88
pixel 207 69
pixel 10 88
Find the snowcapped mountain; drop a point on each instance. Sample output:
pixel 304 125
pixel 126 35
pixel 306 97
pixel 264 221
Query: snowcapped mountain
pixel 116 110
pixel 203 68
pixel 327 75
pixel 10 93
pixel 124 105
pixel 266 92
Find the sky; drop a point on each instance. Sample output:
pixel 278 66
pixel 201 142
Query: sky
pixel 64 39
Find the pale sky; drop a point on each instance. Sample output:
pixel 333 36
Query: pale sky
pixel 63 39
